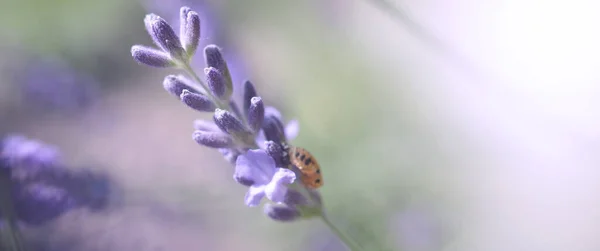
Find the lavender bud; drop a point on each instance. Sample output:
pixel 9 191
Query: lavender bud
pixel 281 213
pixel 249 93
pixel 197 101
pixel 183 12
pixel 216 82
pixel 207 126
pixel 227 122
pixel 151 57
pixel 164 37
pixel 256 114
pixel 212 139
pixel 276 152
pixel 190 36
pixel 214 58
pixel 273 129
pixel 176 84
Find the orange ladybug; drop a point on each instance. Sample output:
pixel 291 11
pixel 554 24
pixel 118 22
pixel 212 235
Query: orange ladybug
pixel 308 166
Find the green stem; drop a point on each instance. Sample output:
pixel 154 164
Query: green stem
pixel 353 246
pixel 11 234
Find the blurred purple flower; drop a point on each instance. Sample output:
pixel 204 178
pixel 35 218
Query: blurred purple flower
pixel 20 151
pixel 37 203
pixel 257 169
pixel 41 188
pixel 50 84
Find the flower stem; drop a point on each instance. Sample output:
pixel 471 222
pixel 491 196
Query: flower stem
pixel 11 236
pixel 352 246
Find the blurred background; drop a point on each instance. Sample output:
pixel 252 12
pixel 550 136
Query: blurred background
pixel 453 125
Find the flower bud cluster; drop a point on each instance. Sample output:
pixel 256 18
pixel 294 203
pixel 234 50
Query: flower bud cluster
pixel 254 139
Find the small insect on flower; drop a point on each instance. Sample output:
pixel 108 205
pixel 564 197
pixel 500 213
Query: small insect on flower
pixel 308 166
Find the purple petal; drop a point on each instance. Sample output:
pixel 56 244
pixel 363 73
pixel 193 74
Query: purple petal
pixel 291 129
pixel 269 110
pixel 277 189
pixel 254 195
pixel 255 166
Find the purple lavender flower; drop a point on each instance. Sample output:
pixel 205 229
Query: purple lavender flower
pixel 41 189
pixel 254 139
pixel 18 151
pixel 37 203
pixel 257 169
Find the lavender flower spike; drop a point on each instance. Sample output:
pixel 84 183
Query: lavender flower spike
pixel 189 30
pixel 197 101
pixel 257 169
pixel 151 57
pixel 164 37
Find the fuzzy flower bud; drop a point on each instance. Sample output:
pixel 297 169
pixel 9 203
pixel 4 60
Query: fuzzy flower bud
pixel 189 30
pixel 276 152
pixel 214 58
pixel 216 82
pixel 197 101
pixel 183 12
pixel 164 37
pixel 273 129
pixel 281 213
pixel 176 84
pixel 256 114
pixel 151 57
pixel 249 93
pixel 213 139
pixel 227 122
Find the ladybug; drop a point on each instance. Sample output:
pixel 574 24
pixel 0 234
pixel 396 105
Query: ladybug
pixel 307 164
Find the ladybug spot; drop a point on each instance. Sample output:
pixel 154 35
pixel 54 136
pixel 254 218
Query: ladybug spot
pixel 307 161
pixel 319 171
pixel 302 157
pixel 318 181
